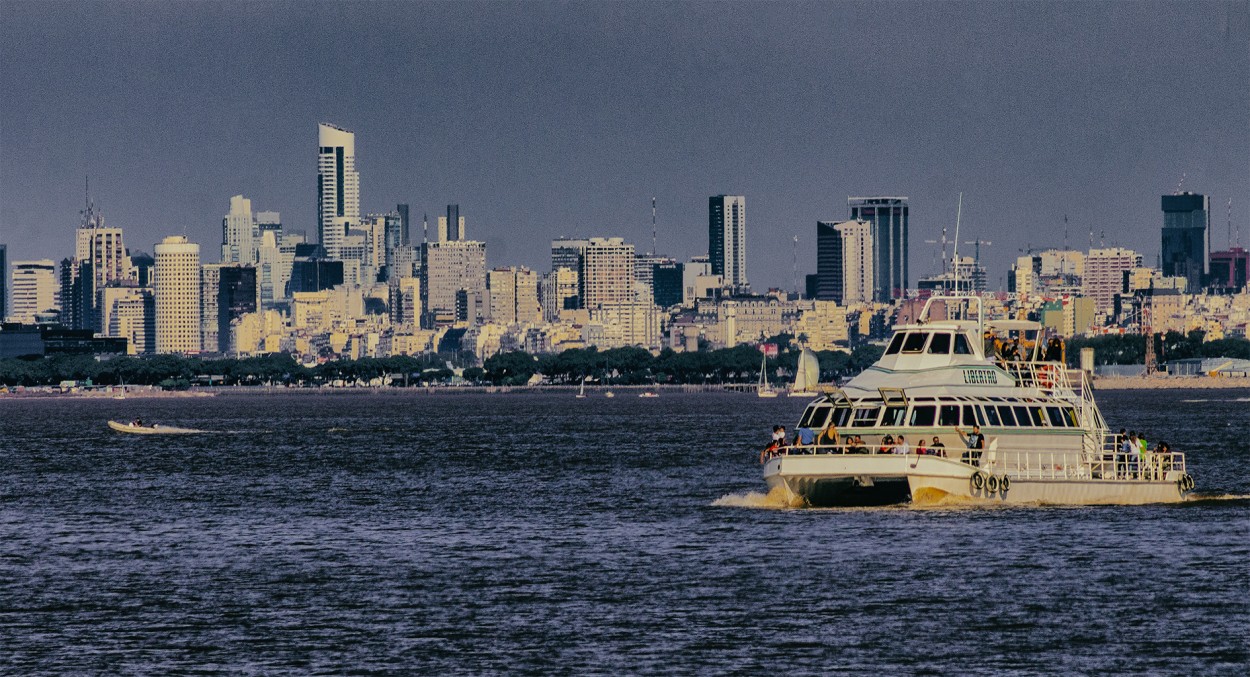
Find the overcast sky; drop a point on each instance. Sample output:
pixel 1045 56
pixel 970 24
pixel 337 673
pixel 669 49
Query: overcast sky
pixel 545 119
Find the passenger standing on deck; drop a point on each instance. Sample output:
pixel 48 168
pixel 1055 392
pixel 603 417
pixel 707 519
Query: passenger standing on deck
pixel 975 441
pixel 828 436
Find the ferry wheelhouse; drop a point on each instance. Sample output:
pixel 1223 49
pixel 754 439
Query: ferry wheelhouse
pixel 1045 441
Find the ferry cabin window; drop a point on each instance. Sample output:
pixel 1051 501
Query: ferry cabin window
pixel 991 416
pixel 1038 416
pixel 894 416
pixel 949 415
pixel 895 345
pixel 1004 412
pixel 814 418
pixel 922 416
pixel 914 342
pixel 1056 417
pixel 1070 415
pixel 940 345
pixel 865 418
pixel 841 416
pixel 971 418
pixel 961 345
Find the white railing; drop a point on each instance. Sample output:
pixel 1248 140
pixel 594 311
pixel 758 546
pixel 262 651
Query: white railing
pixel 1052 464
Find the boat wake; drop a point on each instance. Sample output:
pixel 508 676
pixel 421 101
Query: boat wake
pixel 778 498
pixel 1201 498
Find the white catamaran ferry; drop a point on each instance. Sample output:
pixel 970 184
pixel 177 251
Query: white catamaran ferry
pixel 1044 442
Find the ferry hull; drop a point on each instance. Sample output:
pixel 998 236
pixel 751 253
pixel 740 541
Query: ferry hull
pixel 828 480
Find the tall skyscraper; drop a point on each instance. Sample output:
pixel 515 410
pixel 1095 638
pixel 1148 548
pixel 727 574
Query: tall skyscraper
pixel 177 291
pixel 451 227
pixel 607 272
pixel 857 261
pixel 889 217
pixel 567 253
pixel 338 186
pixel 727 239
pixel 828 262
pixel 1186 248
pixel 239 232
pixel 405 233
pixel 34 290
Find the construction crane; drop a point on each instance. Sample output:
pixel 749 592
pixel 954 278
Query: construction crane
pixel 978 243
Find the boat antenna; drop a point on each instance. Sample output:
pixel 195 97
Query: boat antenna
pixel 955 261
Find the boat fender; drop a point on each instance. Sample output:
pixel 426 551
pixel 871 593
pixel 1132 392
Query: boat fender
pixel 978 480
pixel 991 484
pixel 1186 482
pixel 1004 484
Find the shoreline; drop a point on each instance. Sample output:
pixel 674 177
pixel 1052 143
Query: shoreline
pixel 1169 383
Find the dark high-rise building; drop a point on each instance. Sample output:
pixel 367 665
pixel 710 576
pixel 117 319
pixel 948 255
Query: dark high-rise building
pixel 4 282
pixel 828 262
pixel 666 283
pixel 406 234
pixel 451 227
pixel 888 217
pixel 236 296
pixel 1186 238
pixel 315 274
pixel 1229 269
pixel 727 239
pixel 811 285
pixel 78 295
pixel 143 265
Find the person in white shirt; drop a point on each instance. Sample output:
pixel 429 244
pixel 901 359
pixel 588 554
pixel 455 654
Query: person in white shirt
pixel 900 446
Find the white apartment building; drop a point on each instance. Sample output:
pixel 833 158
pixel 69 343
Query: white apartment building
pixel 451 267
pixel 857 261
pixel 1104 274
pixel 176 287
pixel 513 295
pixel 35 290
pixel 607 272
pixel 727 239
pixel 129 313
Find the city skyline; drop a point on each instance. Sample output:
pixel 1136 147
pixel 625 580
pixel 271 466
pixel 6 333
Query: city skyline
pixel 1035 111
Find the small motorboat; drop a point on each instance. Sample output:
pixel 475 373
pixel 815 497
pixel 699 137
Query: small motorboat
pixel 609 394
pixel 154 429
pixel 648 394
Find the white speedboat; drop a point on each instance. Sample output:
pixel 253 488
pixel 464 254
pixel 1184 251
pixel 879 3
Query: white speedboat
pixel 154 429
pixel 1045 441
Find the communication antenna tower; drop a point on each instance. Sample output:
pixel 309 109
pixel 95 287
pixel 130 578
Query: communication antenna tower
pixel 943 242
pixel 794 280
pixel 653 226
pixel 1179 184
pixel 1230 226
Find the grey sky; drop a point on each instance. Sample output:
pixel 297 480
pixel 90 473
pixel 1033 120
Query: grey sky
pixel 543 119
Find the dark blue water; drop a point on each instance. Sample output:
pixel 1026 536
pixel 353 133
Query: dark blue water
pixel 541 533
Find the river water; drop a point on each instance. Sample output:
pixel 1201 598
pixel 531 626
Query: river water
pixel 459 533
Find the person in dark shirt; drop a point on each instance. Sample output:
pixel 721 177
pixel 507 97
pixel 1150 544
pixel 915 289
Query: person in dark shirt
pixel 975 441
pixel 937 448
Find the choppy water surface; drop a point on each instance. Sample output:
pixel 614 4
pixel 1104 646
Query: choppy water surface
pixel 541 533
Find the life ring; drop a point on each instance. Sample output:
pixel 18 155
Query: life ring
pixel 978 480
pixel 1004 484
pixel 991 484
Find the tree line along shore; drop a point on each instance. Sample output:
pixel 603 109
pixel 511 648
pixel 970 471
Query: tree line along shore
pixel 618 366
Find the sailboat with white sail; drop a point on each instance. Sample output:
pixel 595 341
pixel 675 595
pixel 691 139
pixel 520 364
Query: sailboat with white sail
pixel 764 389
pixel 806 375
